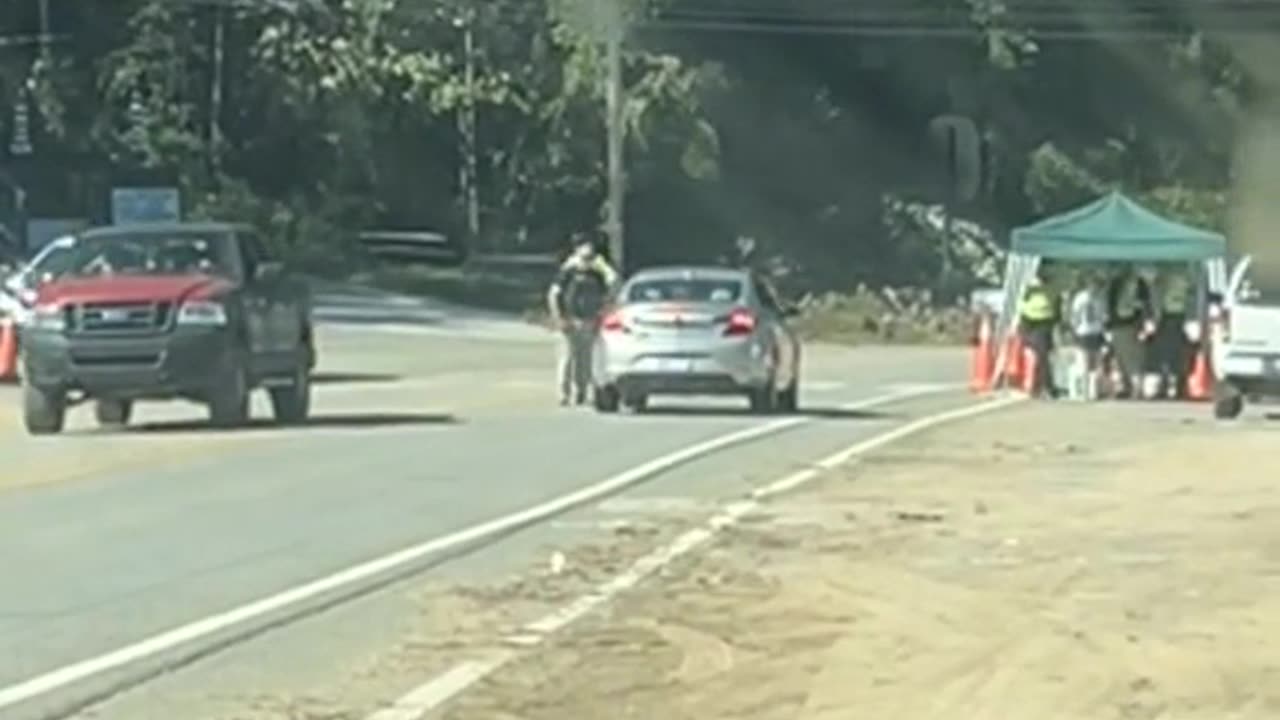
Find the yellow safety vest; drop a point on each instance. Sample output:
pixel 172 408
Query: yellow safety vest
pixel 1037 307
pixel 1174 300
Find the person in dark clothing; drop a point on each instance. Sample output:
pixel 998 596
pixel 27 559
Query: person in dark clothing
pixel 1128 314
pixel 1170 343
pixel 1038 315
pixel 574 301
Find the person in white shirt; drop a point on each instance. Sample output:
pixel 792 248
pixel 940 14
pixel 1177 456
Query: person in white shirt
pixel 1088 320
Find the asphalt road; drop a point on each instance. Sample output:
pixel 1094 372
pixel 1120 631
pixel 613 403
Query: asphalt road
pixel 427 421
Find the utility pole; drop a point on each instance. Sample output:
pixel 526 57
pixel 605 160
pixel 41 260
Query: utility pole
pixel 215 89
pixel 949 209
pixel 468 174
pixel 616 138
pixel 44 31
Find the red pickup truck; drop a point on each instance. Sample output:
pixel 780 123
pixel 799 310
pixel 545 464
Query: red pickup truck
pixel 196 311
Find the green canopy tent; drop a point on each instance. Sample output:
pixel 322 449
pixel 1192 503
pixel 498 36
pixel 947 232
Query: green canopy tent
pixel 1112 228
pixel 1115 228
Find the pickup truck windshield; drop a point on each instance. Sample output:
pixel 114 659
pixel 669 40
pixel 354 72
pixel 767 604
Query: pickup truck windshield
pixel 1259 292
pixel 147 254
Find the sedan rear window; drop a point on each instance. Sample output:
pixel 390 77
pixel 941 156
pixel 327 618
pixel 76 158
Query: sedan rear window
pixel 685 290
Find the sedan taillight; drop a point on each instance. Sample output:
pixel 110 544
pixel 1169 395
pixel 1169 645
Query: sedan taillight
pixel 741 322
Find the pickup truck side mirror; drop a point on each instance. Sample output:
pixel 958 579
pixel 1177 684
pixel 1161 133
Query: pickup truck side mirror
pixel 268 271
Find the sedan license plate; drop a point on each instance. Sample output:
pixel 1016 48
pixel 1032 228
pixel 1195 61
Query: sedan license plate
pixel 673 365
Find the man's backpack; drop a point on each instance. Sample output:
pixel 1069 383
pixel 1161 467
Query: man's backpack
pixel 585 293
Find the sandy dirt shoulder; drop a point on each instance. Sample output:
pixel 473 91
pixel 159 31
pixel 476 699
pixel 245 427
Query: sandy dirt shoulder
pixel 1051 561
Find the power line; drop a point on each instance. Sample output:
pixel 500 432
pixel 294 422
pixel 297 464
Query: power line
pixel 1045 17
pixel 1048 19
pixel 899 32
pixel 1042 19
pixel 1015 7
pixel 287 6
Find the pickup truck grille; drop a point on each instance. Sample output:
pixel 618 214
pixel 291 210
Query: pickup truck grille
pixel 119 318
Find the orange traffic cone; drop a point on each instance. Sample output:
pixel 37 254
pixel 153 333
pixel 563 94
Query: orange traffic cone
pixel 1015 362
pixel 8 350
pixel 984 352
pixel 1200 383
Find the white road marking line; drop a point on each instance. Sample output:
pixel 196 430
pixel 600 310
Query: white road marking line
pixel 794 480
pixel 606 525
pixel 455 681
pixel 444 688
pixel 653 506
pixel 514 332
pixel 174 638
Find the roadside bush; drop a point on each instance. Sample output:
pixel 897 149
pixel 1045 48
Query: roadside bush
pixel 885 316
pixel 312 240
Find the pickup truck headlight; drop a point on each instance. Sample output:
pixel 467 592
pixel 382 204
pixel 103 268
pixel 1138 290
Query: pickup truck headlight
pixel 48 317
pixel 202 313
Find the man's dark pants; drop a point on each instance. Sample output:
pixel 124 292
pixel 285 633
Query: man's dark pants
pixel 1038 335
pixel 1173 359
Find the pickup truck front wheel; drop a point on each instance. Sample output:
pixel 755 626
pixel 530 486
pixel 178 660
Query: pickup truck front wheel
pixel 291 404
pixel 1228 406
pixel 229 398
pixel 1228 401
pixel 43 411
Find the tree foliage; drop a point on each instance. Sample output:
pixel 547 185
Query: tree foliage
pixel 333 115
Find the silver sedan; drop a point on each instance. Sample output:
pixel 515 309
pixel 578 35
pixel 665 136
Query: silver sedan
pixel 696 331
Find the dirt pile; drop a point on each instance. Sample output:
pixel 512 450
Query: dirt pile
pixel 1053 562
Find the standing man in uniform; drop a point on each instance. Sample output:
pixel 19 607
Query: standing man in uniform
pixel 1038 316
pixel 1171 347
pixel 1128 312
pixel 576 298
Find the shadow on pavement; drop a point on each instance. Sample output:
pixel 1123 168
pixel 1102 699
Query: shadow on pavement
pixel 378 317
pixel 349 421
pixel 833 413
pixel 353 378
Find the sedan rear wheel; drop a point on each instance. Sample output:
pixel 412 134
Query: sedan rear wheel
pixel 763 399
pixel 636 402
pixel 606 399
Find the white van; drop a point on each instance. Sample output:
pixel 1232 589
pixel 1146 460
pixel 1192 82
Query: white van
pixel 17 291
pixel 1244 335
